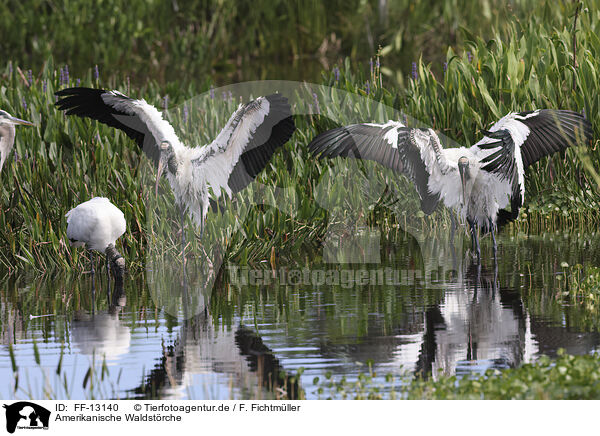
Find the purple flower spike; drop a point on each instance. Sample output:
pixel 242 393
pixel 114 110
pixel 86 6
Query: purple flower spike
pixel 211 92
pixel 445 66
pixel 44 85
pixel 336 73
pixel 469 56
pixel 166 102
pixel 78 81
pixel 371 65
pixel 414 70
pixel 224 96
pixel 230 96
pixel 96 73
pixel 24 103
pixel 30 77
pixel 10 68
pixel 185 113
pixel 66 74
pixel 316 100
pixel 368 87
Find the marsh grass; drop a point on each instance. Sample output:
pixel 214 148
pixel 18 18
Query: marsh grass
pixel 236 41
pixel 65 160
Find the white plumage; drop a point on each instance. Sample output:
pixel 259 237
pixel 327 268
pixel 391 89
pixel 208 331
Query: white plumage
pixel 476 182
pixel 95 223
pixel 7 134
pixel 98 224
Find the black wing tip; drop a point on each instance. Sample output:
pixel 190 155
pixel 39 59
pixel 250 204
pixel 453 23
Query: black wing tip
pixel 429 203
pixel 319 143
pixel 78 90
pixel 505 217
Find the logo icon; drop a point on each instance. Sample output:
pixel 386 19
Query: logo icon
pixel 26 415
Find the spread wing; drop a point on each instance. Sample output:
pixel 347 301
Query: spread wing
pixel 405 150
pixel 141 121
pixel 519 140
pixel 246 144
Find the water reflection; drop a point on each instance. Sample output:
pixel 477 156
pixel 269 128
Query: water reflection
pixel 246 340
pixel 479 325
pixel 103 334
pixel 202 349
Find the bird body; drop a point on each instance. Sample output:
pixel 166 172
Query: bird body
pixel 95 224
pixel 229 163
pixel 7 134
pixel 477 182
pixel 486 192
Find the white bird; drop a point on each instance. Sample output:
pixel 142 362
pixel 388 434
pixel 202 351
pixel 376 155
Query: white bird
pixel 477 182
pixel 240 151
pixel 97 224
pixel 7 134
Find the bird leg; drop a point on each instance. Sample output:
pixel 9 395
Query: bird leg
pixel 108 277
pixel 92 263
pixel 182 217
pixel 475 241
pixel 492 228
pixel 182 222
pixel 117 262
pixel 201 222
pixel 452 227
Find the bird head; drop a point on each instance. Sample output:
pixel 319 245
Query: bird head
pixel 463 170
pixel 166 160
pixel 6 118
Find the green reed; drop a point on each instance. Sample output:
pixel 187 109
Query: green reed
pixel 235 40
pixel 65 160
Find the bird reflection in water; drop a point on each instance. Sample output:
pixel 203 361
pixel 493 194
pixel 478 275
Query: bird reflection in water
pixel 102 334
pixel 209 346
pixel 478 326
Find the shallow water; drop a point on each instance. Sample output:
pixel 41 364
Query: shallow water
pixel 254 328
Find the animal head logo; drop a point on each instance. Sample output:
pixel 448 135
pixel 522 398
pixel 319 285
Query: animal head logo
pixel 26 415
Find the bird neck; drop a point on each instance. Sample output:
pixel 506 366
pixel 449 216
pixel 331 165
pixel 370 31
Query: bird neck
pixel 117 263
pixel 7 139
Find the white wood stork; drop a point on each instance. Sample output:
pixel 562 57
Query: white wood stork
pixel 7 134
pixel 239 152
pixel 97 224
pixel 477 182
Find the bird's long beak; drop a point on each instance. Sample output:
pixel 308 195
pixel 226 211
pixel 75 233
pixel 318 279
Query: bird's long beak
pixel 463 182
pixel 161 167
pixel 16 120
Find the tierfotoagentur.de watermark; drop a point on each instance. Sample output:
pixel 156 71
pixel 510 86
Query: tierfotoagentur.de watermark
pixel 343 277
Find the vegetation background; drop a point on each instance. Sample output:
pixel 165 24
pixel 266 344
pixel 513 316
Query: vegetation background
pixel 456 65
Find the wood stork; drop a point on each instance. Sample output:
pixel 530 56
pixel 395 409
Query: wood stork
pixel 7 134
pixel 97 224
pixel 239 152
pixel 477 182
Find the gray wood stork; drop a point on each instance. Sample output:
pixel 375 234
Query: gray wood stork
pixel 239 152
pixel 7 134
pixel 478 182
pixel 97 224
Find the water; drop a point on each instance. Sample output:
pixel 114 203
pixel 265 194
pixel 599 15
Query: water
pixel 248 336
